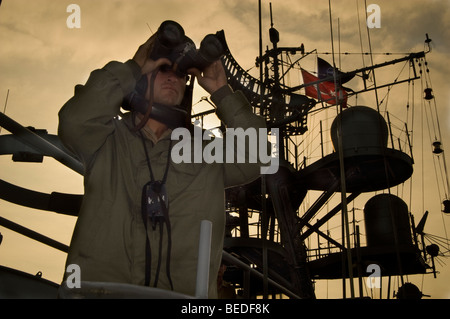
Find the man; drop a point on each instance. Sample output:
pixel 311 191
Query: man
pixel 112 242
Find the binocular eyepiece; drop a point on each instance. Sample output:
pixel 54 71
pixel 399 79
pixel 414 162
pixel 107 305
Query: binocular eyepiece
pixel 172 43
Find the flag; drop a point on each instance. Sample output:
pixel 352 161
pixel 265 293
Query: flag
pixel 324 91
pixel 325 70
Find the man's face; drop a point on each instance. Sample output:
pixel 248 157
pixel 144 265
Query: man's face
pixel 168 88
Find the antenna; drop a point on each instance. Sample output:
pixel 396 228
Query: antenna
pixel 6 101
pixel 271 17
pixel 273 33
pixel 427 42
pixel 150 28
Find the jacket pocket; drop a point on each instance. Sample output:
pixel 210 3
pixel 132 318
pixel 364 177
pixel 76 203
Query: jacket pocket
pixel 94 228
pixel 184 177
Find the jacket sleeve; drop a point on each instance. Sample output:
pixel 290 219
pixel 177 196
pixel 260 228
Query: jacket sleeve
pixel 85 121
pixel 235 111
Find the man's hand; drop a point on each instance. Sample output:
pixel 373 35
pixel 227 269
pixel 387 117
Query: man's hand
pixel 141 57
pixel 212 78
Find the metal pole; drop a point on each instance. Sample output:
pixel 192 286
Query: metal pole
pixel 204 257
pixel 231 259
pixel 33 235
pixel 264 225
pixel 40 144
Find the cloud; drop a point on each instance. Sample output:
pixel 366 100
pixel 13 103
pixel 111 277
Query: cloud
pixel 405 23
pixel 44 59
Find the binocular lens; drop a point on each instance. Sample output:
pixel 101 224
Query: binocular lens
pixel 172 43
pixel 211 48
pixel 170 34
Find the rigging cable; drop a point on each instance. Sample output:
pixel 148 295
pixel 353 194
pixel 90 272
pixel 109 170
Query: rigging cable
pixel 446 183
pixel 360 34
pixel 4 109
pixel 410 101
pixel 399 263
pixel 437 136
pixel 435 130
pixel 345 225
pixel 371 60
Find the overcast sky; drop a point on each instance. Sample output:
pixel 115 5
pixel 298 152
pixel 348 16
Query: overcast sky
pixel 42 59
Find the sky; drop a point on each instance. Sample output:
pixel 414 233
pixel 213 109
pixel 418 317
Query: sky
pixel 43 57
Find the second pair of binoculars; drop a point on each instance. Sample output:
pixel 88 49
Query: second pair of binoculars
pixel 172 43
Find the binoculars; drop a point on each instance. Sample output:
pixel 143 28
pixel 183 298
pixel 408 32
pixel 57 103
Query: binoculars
pixel 172 43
